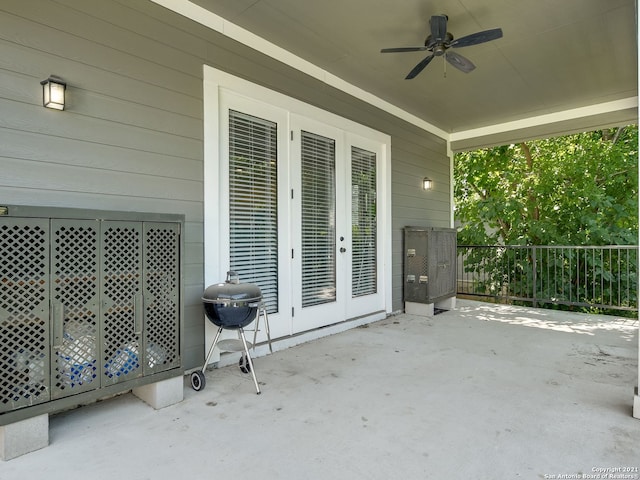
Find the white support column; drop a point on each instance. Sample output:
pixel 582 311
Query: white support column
pixel 161 394
pixel 636 398
pixel 24 436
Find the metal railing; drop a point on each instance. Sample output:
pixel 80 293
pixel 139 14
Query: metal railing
pixel 603 277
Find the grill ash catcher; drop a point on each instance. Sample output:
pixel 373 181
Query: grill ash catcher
pixel 233 306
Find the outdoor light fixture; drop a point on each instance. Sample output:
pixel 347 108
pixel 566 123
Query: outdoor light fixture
pixel 53 92
pixel 427 183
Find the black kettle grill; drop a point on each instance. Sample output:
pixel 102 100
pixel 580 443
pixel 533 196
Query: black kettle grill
pixel 231 306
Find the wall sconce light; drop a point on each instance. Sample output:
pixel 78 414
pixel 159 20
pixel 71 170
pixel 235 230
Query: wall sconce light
pixel 53 92
pixel 427 183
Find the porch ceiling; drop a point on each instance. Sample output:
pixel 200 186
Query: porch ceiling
pixel 554 56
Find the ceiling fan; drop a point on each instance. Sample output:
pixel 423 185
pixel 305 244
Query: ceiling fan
pixel 440 41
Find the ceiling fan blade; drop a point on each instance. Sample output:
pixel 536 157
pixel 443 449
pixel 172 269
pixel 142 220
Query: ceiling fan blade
pixel 419 67
pixel 438 27
pixel 476 38
pixel 460 62
pixel 403 49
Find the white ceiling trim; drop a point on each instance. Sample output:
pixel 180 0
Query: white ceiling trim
pixel 573 114
pixel 231 30
pixel 210 20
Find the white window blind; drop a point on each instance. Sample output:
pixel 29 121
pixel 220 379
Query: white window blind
pixel 363 222
pixel 253 206
pixel 318 219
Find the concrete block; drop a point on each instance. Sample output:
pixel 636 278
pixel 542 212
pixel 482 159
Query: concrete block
pixel 162 394
pixel 428 309
pixel 421 309
pixel 636 406
pixel 24 436
pixel 447 304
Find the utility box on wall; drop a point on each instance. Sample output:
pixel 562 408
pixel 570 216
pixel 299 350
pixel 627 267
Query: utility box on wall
pixel 430 265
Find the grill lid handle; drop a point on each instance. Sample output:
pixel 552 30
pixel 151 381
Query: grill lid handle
pixel 233 277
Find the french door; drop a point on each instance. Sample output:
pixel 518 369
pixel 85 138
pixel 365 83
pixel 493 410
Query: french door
pixel 334 225
pixel 300 215
pixel 318 225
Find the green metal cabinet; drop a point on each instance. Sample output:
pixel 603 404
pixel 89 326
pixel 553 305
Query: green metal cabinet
pixel 89 307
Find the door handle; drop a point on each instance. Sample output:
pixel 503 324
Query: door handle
pixel 58 325
pixel 138 312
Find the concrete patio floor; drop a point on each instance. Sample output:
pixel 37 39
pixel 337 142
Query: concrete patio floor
pixel 481 392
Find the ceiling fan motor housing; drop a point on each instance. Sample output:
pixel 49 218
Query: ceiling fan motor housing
pixel 438 47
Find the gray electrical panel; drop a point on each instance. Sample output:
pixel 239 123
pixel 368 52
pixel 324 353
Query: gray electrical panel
pixel 429 263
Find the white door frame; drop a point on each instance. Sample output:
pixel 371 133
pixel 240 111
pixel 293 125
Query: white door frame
pixel 220 88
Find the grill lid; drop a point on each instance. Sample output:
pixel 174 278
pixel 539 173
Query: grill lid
pixel 232 292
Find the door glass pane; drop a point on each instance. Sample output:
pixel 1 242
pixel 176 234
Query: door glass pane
pixel 318 219
pixel 363 222
pixel 253 205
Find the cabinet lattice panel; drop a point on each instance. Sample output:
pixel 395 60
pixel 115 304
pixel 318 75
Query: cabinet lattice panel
pixel 121 301
pixel 24 313
pixel 74 296
pixel 161 264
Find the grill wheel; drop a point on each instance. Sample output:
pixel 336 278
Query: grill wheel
pixel 198 380
pixel 244 364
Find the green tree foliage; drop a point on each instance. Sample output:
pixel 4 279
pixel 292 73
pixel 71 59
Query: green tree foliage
pixel 578 189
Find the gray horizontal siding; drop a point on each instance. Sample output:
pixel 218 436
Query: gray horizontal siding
pixel 415 157
pixel 132 136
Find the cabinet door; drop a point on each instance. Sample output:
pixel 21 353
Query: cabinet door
pixel 24 312
pixel 122 303
pixel 442 257
pixel 417 271
pixel 74 306
pixel 161 259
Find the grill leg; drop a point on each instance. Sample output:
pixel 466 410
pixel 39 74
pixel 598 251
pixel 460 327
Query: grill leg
pixel 213 345
pixel 266 322
pixel 262 309
pixel 246 351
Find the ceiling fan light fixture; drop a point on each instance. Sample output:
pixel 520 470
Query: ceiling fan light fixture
pixel 439 50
